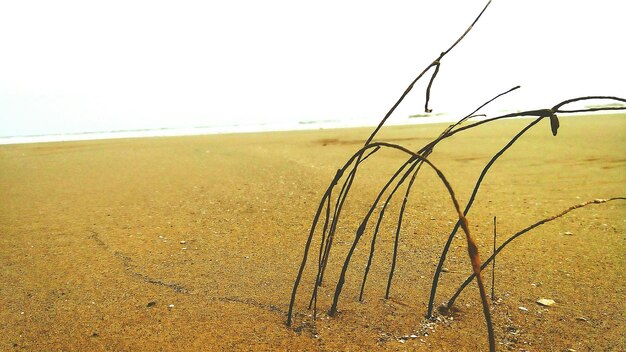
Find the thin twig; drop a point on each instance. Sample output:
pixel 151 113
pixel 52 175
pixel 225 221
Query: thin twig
pixel 472 248
pixel 434 63
pixel 444 252
pixel 521 232
pixel 493 266
pixel 307 246
pixel 425 151
pixel 336 214
pixel 430 85
pixel 541 113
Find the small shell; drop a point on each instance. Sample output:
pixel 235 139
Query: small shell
pixel 545 302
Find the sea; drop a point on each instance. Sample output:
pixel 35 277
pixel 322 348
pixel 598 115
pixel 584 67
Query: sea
pixel 248 127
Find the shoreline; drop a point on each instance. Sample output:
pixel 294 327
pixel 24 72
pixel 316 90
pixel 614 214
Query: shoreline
pixel 246 128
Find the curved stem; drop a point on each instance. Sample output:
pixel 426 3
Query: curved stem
pixel 323 256
pixel 430 85
pixel 380 218
pixel 307 246
pixel 426 150
pixel 338 207
pixel 313 300
pixel 472 247
pixel 399 226
pixel 444 252
pixel 381 215
pixel 521 232
pixel 434 63
pixel 557 107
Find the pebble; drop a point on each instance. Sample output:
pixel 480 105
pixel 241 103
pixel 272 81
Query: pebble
pixel 183 242
pixel 445 270
pixel 150 304
pixel 170 306
pixel 569 233
pixel 545 302
pixel 523 309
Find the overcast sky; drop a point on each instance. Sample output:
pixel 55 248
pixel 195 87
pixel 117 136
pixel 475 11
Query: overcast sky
pixel 77 66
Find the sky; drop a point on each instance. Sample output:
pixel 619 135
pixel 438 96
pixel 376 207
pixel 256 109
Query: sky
pixel 83 66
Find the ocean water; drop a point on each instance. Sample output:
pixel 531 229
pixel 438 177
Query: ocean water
pixel 223 128
pixel 254 127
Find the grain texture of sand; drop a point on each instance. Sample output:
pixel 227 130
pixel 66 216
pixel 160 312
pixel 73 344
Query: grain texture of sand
pixel 193 243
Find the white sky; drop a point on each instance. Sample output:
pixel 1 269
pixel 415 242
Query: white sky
pixel 77 66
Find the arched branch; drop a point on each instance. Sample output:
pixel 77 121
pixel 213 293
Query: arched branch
pixel 521 232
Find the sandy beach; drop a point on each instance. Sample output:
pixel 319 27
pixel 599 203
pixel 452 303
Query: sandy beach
pixel 193 243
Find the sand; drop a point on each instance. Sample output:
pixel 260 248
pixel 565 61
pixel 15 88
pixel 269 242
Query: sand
pixel 193 243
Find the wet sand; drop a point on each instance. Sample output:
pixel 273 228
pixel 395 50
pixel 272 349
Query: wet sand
pixel 193 243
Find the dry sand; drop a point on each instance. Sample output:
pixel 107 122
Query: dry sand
pixel 193 243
